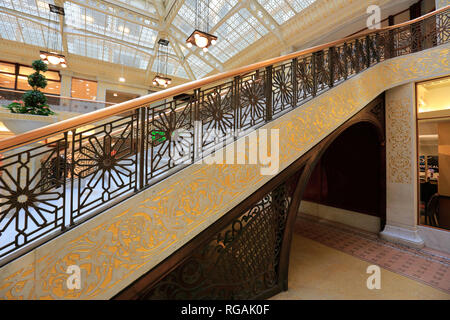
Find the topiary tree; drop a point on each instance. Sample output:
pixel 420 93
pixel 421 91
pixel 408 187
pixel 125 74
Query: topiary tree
pixel 34 101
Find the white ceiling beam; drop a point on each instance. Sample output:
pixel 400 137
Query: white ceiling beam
pixel 277 31
pixel 162 33
pixel 182 58
pixel 172 11
pixel 202 58
pixel 160 10
pixel 290 7
pixel 238 6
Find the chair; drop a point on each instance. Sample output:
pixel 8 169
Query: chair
pixel 432 211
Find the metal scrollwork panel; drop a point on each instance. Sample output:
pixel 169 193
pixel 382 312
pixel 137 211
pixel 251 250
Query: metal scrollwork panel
pixel 441 28
pixel 322 77
pixel 373 51
pixel 32 198
pixel 252 106
pixel 169 136
pixel 353 60
pixel 382 46
pixel 105 165
pixel 218 115
pixel 240 262
pixel 283 89
pixel 403 41
pixel 432 32
pixel 340 64
pixel 305 79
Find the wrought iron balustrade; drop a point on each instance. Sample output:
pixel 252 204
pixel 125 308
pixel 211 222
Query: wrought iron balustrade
pixel 55 178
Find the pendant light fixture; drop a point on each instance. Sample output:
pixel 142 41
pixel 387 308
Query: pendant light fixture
pixel 53 57
pixel 201 39
pixel 161 79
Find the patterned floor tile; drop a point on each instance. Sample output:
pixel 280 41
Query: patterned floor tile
pixel 425 265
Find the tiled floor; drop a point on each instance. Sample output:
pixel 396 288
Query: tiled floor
pixel 319 272
pixel 427 266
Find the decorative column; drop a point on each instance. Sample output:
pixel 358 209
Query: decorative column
pixel 66 83
pixel 401 165
pixel 101 90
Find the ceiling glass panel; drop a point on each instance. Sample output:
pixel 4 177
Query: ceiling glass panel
pixel 94 48
pixel 181 72
pixel 278 9
pixel 38 8
pixel 126 31
pixel 148 37
pixel 30 32
pixel 6 4
pixel 9 28
pixel 160 66
pixel 139 4
pixel 237 33
pixel 198 67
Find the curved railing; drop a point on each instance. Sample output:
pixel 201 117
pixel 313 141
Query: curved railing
pixel 57 176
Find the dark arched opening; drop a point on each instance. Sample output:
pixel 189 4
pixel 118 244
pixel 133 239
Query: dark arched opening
pixel 349 174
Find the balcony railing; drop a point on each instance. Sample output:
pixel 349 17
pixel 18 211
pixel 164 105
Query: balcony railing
pixel 58 103
pixel 55 177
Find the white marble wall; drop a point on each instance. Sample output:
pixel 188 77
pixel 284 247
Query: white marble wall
pixel 350 218
pixel 435 238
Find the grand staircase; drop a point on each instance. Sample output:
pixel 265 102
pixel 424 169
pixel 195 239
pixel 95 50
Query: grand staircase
pixel 136 197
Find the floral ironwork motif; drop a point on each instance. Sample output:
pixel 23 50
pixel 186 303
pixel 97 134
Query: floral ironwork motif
pixel 106 165
pixel 30 205
pixel 253 103
pixel 217 114
pixel 305 79
pixel 241 262
pixel 282 88
pixel 164 145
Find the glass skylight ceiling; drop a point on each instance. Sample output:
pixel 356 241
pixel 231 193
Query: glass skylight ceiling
pixel 126 31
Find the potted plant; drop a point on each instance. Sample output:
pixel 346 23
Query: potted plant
pixel 32 111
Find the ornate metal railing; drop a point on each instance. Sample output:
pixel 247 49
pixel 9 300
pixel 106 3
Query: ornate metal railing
pixel 55 177
pixel 240 261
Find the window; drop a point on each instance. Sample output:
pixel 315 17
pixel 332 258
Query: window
pixel 15 76
pixel 433 127
pixel 84 89
pixel 7 75
pixel 53 80
pixel 7 67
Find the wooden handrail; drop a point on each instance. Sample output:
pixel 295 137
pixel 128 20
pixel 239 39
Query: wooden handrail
pixel 82 120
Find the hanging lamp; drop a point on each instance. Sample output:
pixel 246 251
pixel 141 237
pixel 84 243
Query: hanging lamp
pixel 53 57
pixel 201 39
pixel 161 79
